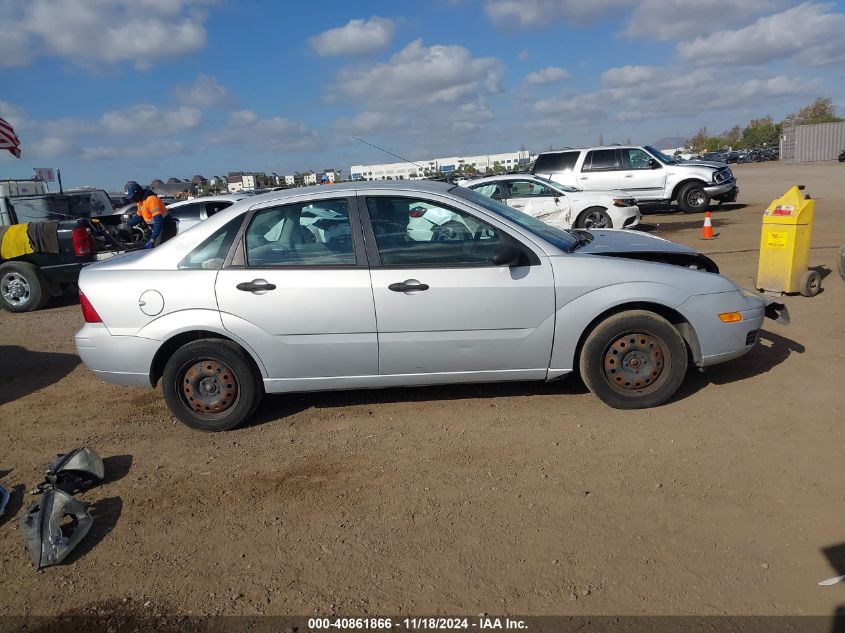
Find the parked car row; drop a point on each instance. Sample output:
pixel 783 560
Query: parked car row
pixel 741 156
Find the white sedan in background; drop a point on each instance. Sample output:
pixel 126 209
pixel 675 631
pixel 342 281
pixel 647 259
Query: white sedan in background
pixel 559 205
pixel 187 213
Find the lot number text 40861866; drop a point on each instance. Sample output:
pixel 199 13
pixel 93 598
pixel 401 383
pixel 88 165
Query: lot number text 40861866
pixel 416 624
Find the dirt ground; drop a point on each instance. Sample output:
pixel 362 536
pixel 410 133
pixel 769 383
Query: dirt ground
pixel 512 498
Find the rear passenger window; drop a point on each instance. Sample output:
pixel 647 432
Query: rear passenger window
pixel 601 160
pixel 310 234
pixel 555 162
pixel 211 253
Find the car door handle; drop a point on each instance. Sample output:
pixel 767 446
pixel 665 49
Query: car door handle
pixel 629 175
pixel 256 285
pixel 406 287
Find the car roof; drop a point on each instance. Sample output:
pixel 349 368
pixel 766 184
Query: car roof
pixel 223 198
pixel 588 147
pixel 483 179
pixel 431 186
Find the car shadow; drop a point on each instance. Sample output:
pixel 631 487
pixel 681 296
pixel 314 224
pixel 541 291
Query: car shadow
pixel 25 371
pixel 105 514
pixel 770 351
pixel 277 407
pixel 836 557
pixel 822 270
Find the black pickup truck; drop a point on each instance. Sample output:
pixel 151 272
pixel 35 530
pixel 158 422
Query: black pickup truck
pixel 29 281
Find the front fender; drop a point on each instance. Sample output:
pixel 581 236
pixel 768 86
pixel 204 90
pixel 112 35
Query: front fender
pixel 573 318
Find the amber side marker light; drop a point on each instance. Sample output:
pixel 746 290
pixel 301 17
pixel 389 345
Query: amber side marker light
pixel 730 317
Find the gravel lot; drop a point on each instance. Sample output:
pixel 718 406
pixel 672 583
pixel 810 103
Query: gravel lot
pixel 512 498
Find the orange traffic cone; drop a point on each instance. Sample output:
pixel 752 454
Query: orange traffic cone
pixel 707 229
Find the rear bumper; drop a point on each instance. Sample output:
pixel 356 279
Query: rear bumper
pixel 119 360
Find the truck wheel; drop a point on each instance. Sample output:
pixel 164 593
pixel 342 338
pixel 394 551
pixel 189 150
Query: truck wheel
pixel 594 218
pixel 693 198
pixel 211 385
pixel 22 287
pixel 811 283
pixel 634 360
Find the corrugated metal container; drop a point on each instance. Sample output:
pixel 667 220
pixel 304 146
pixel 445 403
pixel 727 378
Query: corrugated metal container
pixel 787 144
pixel 822 141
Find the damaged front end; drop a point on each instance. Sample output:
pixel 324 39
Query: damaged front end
pixel 53 526
pixel 776 311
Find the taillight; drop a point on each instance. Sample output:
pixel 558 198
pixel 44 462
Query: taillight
pixel 88 311
pixel 81 241
pixel 417 212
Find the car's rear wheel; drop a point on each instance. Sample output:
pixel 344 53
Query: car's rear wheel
pixel 692 198
pixel 634 360
pixel 22 287
pixel 594 218
pixel 211 385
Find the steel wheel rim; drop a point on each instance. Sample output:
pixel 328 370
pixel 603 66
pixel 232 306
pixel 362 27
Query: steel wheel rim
pixel 15 289
pixel 635 362
pixel 695 197
pixel 208 388
pixel 596 220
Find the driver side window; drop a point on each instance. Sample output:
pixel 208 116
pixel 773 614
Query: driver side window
pixel 636 159
pixel 417 232
pixel 528 189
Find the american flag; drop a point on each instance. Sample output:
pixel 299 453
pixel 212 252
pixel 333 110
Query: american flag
pixel 8 139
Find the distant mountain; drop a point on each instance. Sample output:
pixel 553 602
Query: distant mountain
pixel 669 142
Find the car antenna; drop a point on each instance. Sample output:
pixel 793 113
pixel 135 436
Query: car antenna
pixel 386 152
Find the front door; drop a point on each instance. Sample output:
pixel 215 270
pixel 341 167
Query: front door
pixel 300 294
pixel 445 311
pixel 641 173
pixel 538 201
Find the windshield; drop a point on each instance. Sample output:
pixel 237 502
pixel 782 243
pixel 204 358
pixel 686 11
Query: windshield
pixel 663 158
pixel 561 239
pixel 557 185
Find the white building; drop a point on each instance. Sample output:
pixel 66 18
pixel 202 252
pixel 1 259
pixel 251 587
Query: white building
pixel 309 178
pixel 236 184
pixel 423 168
pixel 290 180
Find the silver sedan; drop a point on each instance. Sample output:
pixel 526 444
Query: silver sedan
pixel 326 288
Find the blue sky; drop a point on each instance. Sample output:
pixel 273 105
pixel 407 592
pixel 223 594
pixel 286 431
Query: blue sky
pixel 111 90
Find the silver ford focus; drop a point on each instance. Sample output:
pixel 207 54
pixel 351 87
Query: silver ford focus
pixel 336 288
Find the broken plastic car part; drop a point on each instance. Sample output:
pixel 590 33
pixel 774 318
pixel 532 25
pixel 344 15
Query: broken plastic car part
pixel 77 470
pixel 53 526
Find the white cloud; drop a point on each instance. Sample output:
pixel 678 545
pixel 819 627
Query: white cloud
pixel 547 75
pixel 421 75
pixel 149 151
pixel 523 55
pixel 15 115
pixel 631 75
pixel 809 34
pixel 277 133
pixel 91 33
pixel 538 13
pixel 149 119
pixel 51 147
pixel 357 37
pixel 205 92
pixel 675 19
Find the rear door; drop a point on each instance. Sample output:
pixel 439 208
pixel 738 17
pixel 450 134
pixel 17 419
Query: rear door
pixel 445 311
pixel 300 294
pixel 600 170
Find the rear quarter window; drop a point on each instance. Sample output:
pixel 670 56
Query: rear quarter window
pixel 556 162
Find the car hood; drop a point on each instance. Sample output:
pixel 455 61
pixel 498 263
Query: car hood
pixel 641 246
pixel 705 163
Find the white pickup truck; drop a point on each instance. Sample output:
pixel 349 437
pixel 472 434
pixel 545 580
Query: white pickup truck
pixel 644 172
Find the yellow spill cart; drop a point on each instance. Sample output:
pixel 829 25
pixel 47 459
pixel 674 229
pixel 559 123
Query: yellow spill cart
pixel 785 246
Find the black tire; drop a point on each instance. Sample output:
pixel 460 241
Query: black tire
pixel 692 198
pixel 811 283
pixel 594 218
pixel 214 375
pixel 608 355
pixel 22 287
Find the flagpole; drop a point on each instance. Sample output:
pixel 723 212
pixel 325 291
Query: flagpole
pixel 59 176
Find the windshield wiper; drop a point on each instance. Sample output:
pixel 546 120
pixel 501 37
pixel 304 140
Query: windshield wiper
pixel 582 238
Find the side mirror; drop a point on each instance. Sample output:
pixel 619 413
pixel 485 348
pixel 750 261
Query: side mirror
pixel 557 200
pixel 653 164
pixel 508 255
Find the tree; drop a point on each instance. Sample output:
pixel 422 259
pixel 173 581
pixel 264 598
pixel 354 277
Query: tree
pixel 698 143
pixel 821 110
pixel 760 132
pixel 731 137
pixel 498 168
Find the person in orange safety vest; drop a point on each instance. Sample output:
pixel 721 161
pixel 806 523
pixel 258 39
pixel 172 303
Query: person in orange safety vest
pixel 152 211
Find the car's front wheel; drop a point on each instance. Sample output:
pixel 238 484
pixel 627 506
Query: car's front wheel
pixel 634 360
pixel 594 218
pixel 211 385
pixel 693 198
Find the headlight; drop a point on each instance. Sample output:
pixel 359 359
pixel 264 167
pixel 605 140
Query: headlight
pixel 624 202
pixel 53 526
